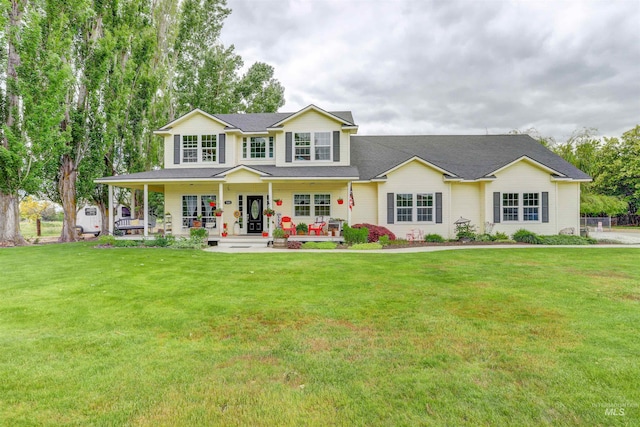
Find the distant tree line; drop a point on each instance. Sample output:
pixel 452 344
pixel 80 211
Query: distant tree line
pixel 85 82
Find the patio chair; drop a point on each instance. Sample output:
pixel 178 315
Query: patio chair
pixel 317 227
pixel 287 225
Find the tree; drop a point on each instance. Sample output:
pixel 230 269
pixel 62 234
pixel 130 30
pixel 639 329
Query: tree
pixel 618 170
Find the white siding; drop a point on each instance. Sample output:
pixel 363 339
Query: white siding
pixel 312 121
pixel 523 177
pixel 414 177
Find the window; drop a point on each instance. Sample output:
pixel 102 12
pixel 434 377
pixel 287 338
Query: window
pixel 319 150
pixel 302 204
pixel 322 204
pixel 530 206
pixel 510 206
pixel 257 148
pixel 424 207
pixel 191 209
pixel 189 148
pixel 303 146
pixel 209 148
pixel 91 211
pixel 322 142
pixel 520 206
pixel 404 207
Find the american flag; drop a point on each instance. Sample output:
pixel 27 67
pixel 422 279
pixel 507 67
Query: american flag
pixel 352 202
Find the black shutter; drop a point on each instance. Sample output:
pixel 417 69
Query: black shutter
pixel 336 146
pixel 222 147
pixel 288 146
pixel 390 208
pixel 496 207
pixel 176 149
pixel 545 206
pixel 438 208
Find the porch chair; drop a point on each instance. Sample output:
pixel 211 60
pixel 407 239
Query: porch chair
pixel 317 227
pixel 287 225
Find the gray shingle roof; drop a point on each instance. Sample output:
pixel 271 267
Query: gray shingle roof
pixel 466 156
pixel 259 122
pixel 349 172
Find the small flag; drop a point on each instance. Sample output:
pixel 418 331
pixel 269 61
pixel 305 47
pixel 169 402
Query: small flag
pixel 352 202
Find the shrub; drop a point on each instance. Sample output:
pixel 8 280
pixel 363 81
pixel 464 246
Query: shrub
pixel 501 236
pixel 384 240
pixel 466 231
pixel 526 236
pixel 279 233
pixel 198 232
pixel 319 245
pixel 366 246
pixel 354 235
pixel 563 239
pixel 485 238
pixel 107 240
pixel 294 244
pixel 375 232
pixel 433 238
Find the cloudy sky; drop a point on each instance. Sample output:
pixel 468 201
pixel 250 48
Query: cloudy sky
pixel 451 67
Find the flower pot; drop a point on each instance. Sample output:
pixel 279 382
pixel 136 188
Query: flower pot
pixel 340 202
pixel 265 234
pixel 279 203
pixel 212 204
pixel 197 224
pixel 268 215
pixel 219 214
pixel 224 234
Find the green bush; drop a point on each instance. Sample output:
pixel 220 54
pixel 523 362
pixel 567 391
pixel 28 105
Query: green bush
pixel 433 238
pixel 485 238
pixel 366 246
pixel 526 236
pixel 107 240
pixel 319 245
pixel 564 239
pixel 384 240
pixel 199 232
pixel 465 231
pixel 501 236
pixel 354 236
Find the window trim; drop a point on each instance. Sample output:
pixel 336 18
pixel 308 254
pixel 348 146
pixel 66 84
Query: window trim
pixel 413 208
pixel 520 207
pixel 313 206
pixel 313 147
pixel 269 148
pixel 199 149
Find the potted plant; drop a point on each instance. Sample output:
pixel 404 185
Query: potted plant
pixel 265 234
pixel 197 223
pixel 218 212
pixel 269 212
pixel 280 238
pixel 225 233
pixel 278 202
pixel 302 228
pixel 212 203
pixel 340 200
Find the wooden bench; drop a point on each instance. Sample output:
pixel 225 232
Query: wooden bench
pixel 125 226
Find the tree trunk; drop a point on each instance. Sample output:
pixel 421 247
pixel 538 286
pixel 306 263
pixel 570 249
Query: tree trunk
pixel 10 221
pixel 102 207
pixel 67 190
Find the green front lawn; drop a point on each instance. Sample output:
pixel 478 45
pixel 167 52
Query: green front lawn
pixel 468 337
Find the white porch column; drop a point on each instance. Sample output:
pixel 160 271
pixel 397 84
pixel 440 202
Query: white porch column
pixel 222 206
pixel 146 210
pixel 111 208
pixel 270 205
pixel 132 204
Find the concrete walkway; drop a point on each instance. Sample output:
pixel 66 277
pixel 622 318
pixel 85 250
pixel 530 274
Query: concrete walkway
pixel 264 249
pixel 626 237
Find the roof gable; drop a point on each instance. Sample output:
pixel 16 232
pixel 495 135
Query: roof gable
pixel 418 160
pixel 189 115
pixel 312 107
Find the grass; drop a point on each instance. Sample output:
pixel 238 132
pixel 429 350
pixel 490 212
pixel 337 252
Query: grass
pixel 151 337
pixel 47 228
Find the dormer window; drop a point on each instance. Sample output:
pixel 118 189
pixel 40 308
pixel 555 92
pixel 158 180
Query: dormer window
pixel 320 149
pixel 257 147
pixel 199 148
pixel 303 146
pixel 322 145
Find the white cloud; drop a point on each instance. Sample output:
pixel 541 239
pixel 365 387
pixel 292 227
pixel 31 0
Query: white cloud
pixel 451 67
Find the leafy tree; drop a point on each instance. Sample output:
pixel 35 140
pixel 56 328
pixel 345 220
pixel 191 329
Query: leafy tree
pixel 33 209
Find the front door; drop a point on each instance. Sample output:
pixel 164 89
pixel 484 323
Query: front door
pixel 254 214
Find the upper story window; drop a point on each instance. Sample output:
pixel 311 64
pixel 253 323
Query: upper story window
pixel 209 148
pixel 303 146
pixel 322 145
pixel 189 148
pixel 199 148
pixel 257 148
pixel 312 146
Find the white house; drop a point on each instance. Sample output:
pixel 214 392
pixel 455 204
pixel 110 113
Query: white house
pixel 313 162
